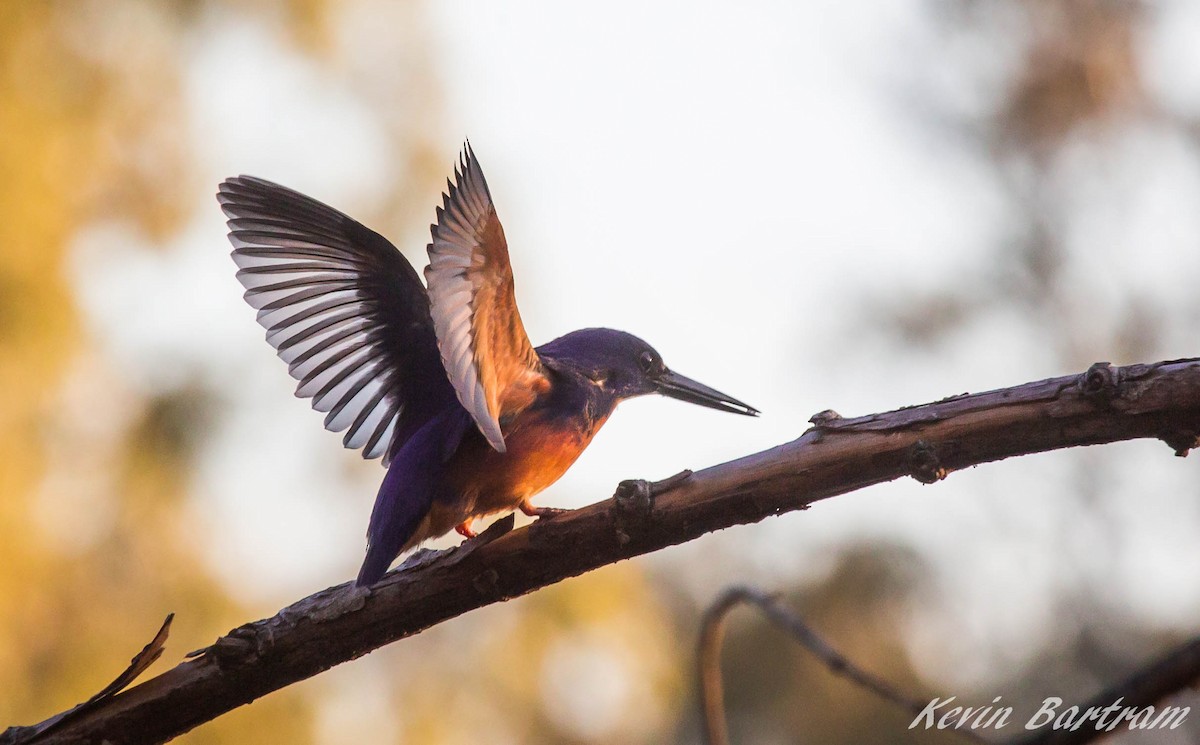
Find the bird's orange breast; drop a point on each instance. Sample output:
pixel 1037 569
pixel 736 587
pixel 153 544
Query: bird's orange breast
pixel 540 449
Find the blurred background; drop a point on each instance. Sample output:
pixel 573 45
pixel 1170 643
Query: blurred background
pixel 848 205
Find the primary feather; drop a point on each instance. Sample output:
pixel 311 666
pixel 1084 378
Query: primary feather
pixel 343 308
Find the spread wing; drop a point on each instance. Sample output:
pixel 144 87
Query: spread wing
pixel 343 308
pixel 484 348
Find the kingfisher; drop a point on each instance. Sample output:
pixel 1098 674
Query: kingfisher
pixel 438 379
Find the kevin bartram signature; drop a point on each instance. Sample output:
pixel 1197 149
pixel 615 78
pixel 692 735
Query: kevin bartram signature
pixel 939 714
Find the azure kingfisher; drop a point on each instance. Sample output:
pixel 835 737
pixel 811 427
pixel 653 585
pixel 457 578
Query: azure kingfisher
pixel 441 381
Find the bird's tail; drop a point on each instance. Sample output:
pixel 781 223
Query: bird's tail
pixel 407 493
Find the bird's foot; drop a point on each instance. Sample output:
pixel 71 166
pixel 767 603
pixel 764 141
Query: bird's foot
pixel 464 529
pixel 541 512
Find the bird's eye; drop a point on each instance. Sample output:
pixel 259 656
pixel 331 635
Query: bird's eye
pixel 647 362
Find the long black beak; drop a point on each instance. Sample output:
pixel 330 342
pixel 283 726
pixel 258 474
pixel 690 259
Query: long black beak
pixel 685 389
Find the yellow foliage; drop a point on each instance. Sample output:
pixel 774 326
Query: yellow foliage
pixel 89 127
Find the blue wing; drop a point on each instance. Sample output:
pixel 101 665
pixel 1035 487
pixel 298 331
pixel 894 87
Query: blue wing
pixel 408 491
pixel 343 308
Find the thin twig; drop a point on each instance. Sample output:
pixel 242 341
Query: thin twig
pixel 1164 676
pixel 712 699
pixel 138 665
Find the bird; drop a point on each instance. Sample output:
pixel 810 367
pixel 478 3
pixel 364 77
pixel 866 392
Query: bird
pixel 438 379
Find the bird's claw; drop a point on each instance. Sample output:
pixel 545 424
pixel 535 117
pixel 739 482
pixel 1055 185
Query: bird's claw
pixel 541 513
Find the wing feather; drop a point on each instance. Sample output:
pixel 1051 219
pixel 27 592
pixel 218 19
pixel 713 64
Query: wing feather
pixel 485 350
pixel 343 308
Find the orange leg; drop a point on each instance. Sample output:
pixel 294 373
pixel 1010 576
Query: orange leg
pixel 464 529
pixel 540 512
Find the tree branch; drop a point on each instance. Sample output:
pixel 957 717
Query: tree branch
pixel 835 456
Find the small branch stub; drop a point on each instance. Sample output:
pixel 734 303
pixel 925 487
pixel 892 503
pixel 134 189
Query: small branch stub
pixel 138 665
pixel 1181 440
pixel 823 419
pixel 924 464
pixel 1100 382
pixel 633 503
pixel 238 647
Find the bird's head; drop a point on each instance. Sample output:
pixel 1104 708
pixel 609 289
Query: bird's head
pixel 625 366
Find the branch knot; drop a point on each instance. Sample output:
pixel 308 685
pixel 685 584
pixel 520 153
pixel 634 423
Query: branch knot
pixel 924 464
pixel 633 501
pixel 487 583
pixel 1100 382
pixel 240 646
pixel 823 419
pixel 1181 440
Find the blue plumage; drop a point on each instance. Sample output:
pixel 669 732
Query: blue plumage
pixel 441 382
pixel 413 481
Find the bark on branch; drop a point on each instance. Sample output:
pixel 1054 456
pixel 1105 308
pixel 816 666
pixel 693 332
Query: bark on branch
pixel 837 455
